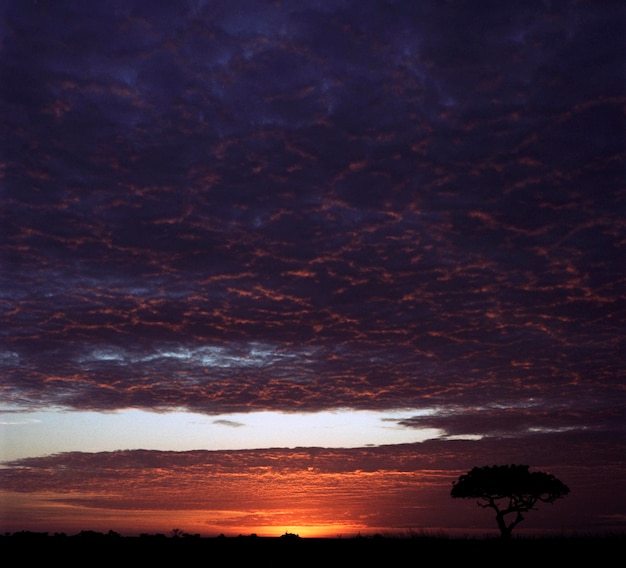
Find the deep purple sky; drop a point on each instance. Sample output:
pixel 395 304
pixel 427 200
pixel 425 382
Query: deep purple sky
pixel 236 206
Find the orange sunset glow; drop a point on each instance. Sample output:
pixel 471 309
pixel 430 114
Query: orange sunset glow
pixel 273 492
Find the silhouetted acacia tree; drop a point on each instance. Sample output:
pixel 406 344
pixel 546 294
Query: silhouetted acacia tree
pixel 508 490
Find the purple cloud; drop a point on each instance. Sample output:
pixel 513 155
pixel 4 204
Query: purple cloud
pixel 365 206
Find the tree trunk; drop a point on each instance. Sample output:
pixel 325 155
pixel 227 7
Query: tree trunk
pixel 505 531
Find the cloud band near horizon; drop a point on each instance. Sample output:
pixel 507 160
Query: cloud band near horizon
pixel 388 488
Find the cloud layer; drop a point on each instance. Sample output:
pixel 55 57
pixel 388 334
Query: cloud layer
pixel 256 206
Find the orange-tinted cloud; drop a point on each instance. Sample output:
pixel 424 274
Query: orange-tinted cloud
pixel 338 491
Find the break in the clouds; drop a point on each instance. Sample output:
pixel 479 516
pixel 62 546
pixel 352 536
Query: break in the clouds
pixel 248 206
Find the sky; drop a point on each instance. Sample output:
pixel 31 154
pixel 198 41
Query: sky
pixel 272 266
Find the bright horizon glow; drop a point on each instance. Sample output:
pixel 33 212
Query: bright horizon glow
pixel 230 523
pixel 31 434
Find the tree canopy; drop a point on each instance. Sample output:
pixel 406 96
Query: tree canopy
pixel 509 490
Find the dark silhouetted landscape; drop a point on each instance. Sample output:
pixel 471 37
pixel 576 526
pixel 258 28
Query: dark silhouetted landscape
pixel 290 549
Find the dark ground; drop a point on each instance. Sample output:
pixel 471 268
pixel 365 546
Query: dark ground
pixel 290 550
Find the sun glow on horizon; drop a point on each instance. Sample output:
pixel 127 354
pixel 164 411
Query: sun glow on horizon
pixel 266 492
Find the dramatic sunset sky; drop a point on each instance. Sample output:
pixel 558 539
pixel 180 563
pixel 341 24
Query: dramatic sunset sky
pixel 272 265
